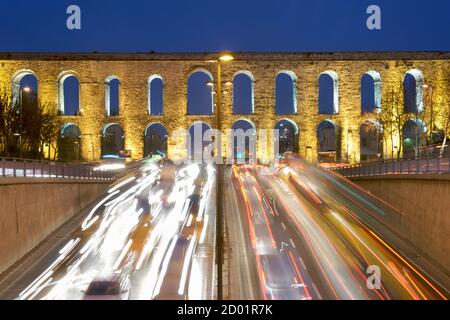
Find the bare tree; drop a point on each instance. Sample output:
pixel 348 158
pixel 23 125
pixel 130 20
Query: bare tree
pixel 49 129
pixel 28 128
pixel 445 114
pixel 442 106
pixel 8 126
pixel 393 116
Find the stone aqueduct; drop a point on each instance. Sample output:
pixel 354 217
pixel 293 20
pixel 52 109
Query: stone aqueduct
pixel 134 71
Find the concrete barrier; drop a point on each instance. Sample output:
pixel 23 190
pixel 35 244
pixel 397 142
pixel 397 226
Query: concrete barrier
pixel 31 209
pixel 424 201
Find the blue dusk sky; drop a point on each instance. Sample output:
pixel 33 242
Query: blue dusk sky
pixel 236 25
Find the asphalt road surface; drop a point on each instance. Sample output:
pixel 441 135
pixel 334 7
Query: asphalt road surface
pixel 294 232
pixel 311 234
pixel 154 227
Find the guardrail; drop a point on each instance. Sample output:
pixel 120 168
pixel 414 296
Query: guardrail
pixel 392 167
pixel 11 167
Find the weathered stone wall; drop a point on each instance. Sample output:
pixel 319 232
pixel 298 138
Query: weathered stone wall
pixel 30 210
pixel 424 202
pixel 134 70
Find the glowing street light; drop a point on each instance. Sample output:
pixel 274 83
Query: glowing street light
pixel 226 57
pixel 27 90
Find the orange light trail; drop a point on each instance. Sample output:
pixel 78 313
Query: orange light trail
pixel 410 266
pixel 299 275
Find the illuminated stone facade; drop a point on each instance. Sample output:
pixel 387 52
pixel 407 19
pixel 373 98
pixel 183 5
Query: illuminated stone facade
pixel 134 71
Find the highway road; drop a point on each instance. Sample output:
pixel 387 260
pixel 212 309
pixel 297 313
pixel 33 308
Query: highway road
pixel 294 232
pixel 312 234
pixel 155 227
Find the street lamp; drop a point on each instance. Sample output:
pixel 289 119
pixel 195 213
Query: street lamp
pixel 24 89
pixel 430 97
pixel 223 58
pixel 77 143
pixel 226 57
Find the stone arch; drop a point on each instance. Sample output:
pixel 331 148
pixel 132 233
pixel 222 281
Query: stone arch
pixel 243 140
pixel 195 143
pixel 112 141
pixel 155 95
pixel 155 139
pixel 288 135
pixel 328 87
pixel 112 96
pixel 249 121
pixel 243 92
pixel 371 140
pixel 328 140
pixel 69 93
pixel 370 92
pixel 16 85
pixel 285 92
pixel 200 99
pixel 413 82
pixel 69 142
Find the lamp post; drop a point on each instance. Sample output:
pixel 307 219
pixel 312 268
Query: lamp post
pixel 223 58
pixel 25 89
pixel 219 236
pixel 430 100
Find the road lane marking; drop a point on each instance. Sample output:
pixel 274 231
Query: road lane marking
pixel 302 263
pixel 292 243
pixel 317 291
pixel 284 227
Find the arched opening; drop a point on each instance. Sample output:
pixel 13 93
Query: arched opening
pixel 24 140
pixel 371 140
pixel 371 92
pixel 200 93
pixel 243 82
pixel 288 136
pixel 413 91
pixel 155 140
pixel 112 141
pixel 25 89
pixel 414 138
pixel 196 142
pixel 112 92
pixel 155 95
pixel 328 93
pixel 69 95
pixel 244 141
pixel 69 143
pixel 286 93
pixel 328 140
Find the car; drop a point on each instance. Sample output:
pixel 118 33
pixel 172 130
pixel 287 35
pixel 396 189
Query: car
pixel 279 276
pixel 115 287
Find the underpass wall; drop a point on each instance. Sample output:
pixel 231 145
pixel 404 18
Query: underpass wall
pixel 31 209
pixel 424 201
